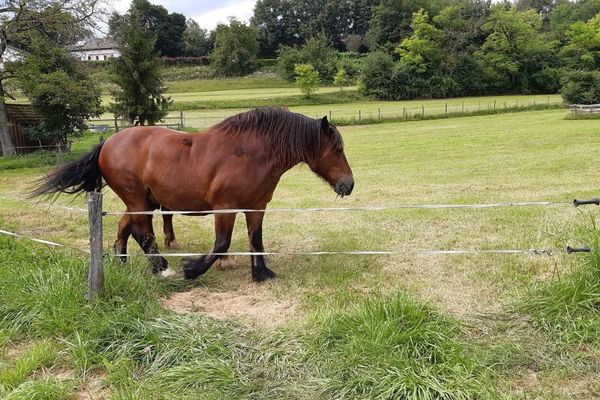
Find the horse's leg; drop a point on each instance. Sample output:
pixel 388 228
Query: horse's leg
pixel 122 236
pixel 170 240
pixel 143 233
pixel 194 267
pixel 260 272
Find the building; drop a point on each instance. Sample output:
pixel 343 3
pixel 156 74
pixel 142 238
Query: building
pixel 11 54
pixel 19 118
pixel 95 49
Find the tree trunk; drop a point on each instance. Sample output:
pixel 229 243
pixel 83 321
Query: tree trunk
pixel 8 148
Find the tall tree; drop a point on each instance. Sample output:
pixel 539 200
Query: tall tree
pixel 60 22
pixel 236 48
pixel 515 49
pixel 196 41
pixel 391 19
pixel 60 89
pixel 168 28
pixel 278 23
pixel 582 50
pixel 137 72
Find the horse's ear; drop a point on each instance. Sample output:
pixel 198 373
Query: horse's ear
pixel 324 124
pixel 285 108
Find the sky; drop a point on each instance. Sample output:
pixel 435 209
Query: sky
pixel 208 13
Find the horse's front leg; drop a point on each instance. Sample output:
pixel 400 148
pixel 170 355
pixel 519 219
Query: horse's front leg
pixel 194 267
pixel 260 272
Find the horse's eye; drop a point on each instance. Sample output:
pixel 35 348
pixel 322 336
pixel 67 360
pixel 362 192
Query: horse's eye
pixel 339 151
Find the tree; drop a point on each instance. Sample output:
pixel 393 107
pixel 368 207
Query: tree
pixel 278 24
pixel 167 28
pixel 60 89
pixel 307 78
pixel 515 50
pixel 236 49
pixel 391 19
pixel 422 49
pixel 582 50
pixel 341 79
pixel 60 22
pixel 137 73
pixel 196 42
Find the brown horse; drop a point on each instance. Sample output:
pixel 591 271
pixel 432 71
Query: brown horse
pixel 236 164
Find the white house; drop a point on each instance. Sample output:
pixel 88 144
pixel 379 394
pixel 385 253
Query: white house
pixel 96 49
pixel 11 54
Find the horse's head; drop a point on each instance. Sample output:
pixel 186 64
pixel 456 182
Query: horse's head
pixel 331 163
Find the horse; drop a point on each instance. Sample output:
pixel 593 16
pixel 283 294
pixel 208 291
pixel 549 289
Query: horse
pixel 236 164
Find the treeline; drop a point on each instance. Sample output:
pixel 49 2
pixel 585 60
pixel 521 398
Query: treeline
pixel 401 49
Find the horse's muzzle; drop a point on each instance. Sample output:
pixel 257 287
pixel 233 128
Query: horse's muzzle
pixel 344 186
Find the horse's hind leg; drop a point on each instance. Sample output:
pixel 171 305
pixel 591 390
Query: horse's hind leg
pixel 170 240
pixel 122 236
pixel 194 267
pixel 143 233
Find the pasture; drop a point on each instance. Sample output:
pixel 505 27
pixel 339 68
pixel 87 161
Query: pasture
pixel 401 326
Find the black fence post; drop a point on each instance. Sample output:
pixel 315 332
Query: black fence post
pixel 96 272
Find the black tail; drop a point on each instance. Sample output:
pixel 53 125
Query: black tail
pixel 78 176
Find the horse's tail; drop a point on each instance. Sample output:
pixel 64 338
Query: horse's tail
pixel 78 176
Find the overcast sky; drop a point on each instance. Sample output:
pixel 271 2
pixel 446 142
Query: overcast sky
pixel 208 13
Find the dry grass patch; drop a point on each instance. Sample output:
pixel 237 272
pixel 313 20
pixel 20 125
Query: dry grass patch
pixel 253 304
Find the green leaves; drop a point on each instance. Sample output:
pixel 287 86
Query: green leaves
pixel 307 78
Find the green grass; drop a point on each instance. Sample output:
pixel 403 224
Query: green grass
pixel 341 339
pixel 267 81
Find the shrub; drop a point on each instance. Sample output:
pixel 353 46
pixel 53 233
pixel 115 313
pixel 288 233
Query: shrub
pixel 377 74
pixel 315 52
pixel 307 78
pixel 341 79
pixel 186 61
pixel 581 87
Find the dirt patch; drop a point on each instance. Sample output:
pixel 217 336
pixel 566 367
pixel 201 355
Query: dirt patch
pixel 94 387
pixel 255 305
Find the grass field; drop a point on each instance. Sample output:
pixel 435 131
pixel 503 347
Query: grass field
pixel 406 326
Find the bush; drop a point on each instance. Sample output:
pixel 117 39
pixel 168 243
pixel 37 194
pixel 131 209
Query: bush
pixel 581 87
pixel 377 74
pixel 315 52
pixel 186 61
pixel 307 78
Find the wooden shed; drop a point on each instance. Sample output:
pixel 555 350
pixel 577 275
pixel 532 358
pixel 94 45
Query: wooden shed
pixel 19 118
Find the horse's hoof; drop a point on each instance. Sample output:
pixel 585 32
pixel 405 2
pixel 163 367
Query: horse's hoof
pixel 224 263
pixel 167 273
pixel 262 274
pixel 174 244
pixel 193 268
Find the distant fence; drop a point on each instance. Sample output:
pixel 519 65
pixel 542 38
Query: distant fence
pixel 101 125
pixel 585 108
pixel 367 114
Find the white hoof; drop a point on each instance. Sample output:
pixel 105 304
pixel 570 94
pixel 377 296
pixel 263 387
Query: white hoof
pixel 167 273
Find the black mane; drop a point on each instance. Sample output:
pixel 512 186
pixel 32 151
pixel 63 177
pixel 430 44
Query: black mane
pixel 291 137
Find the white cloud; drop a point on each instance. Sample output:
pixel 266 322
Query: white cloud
pixel 242 10
pixel 207 13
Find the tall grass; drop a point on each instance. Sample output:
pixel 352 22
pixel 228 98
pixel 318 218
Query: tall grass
pixel 385 349
pixel 569 307
pixel 399 349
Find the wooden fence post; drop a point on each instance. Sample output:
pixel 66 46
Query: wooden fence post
pixel 494 105
pixel 359 115
pixel 378 113
pixel 181 121
pixel 96 273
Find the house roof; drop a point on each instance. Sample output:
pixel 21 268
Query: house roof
pixel 24 114
pixel 96 44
